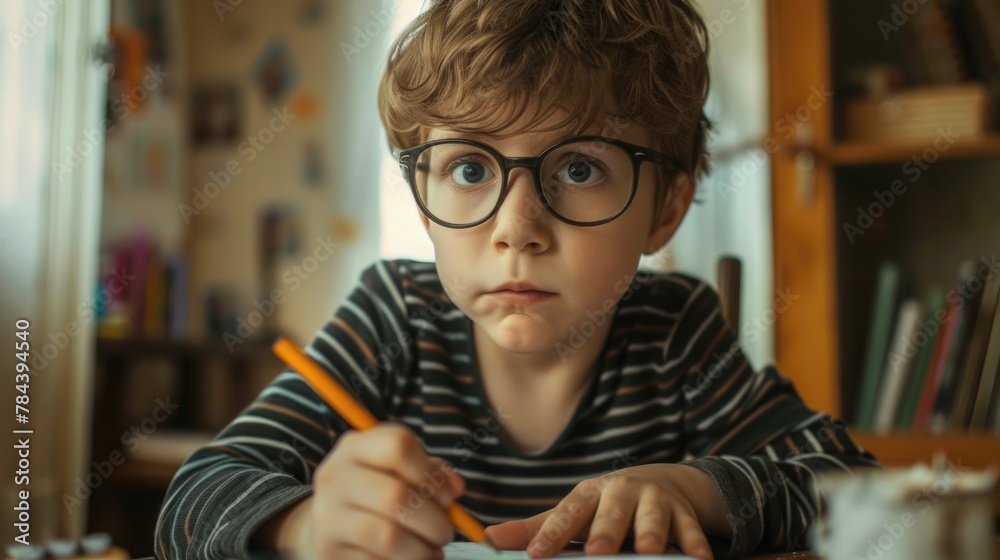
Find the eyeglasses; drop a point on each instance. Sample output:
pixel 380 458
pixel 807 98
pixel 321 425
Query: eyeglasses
pixel 583 181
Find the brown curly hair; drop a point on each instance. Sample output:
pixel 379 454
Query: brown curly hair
pixel 479 65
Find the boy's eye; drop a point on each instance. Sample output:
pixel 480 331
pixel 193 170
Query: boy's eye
pixel 469 172
pixel 579 171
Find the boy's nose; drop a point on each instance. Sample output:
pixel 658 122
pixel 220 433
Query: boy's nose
pixel 522 222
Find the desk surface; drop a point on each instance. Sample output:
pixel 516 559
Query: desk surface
pixel 781 556
pixel 814 556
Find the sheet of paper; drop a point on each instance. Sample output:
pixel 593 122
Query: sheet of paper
pixel 473 551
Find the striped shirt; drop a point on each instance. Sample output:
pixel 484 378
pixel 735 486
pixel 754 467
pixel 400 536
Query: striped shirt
pixel 671 385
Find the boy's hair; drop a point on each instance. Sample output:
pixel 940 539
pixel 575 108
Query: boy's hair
pixel 479 65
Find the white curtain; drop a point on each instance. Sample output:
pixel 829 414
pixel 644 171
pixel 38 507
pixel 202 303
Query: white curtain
pixel 51 102
pixel 403 236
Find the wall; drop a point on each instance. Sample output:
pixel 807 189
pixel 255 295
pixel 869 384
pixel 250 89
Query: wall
pixel 221 239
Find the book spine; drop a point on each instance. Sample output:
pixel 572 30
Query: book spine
pixel 897 365
pixel 956 349
pixel 882 311
pixel 924 409
pixel 178 297
pixel 988 384
pixel 976 355
pixel 139 260
pixel 931 330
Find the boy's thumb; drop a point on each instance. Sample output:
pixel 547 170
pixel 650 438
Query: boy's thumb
pixel 455 482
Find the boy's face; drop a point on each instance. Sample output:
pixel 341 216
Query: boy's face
pixel 585 269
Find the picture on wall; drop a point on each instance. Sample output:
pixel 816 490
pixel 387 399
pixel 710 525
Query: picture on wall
pixel 216 113
pixel 274 71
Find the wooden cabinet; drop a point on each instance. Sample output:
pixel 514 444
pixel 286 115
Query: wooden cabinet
pixel 154 403
pixel 818 178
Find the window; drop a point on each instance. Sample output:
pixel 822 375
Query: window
pixel 402 235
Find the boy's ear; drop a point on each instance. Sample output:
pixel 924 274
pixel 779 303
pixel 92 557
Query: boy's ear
pixel 674 208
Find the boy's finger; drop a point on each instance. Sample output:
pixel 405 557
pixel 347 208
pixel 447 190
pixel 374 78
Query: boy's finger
pixel 380 491
pixel 393 447
pixel 383 537
pixel 612 520
pixel 455 480
pixel 652 523
pixel 515 535
pixel 567 520
pixel 690 536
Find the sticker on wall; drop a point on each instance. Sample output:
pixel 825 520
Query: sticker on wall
pixel 156 162
pixel 156 145
pixel 313 12
pixel 128 67
pixel 312 164
pixel 274 71
pixel 344 228
pixel 304 104
pixel 278 232
pixel 216 113
pixel 151 17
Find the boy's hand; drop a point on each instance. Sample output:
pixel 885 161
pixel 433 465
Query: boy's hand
pixel 376 495
pixel 656 503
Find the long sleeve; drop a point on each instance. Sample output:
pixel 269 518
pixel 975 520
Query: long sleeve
pixel 752 434
pixel 263 461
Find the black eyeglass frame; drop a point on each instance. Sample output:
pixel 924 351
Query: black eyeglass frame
pixel 637 154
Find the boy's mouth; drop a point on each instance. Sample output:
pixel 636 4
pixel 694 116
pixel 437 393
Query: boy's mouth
pixel 520 293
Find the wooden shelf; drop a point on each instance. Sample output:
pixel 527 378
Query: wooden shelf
pixel 144 474
pixel 869 153
pixel 199 349
pixel 902 449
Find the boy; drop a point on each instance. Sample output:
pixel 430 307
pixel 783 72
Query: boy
pixel 531 372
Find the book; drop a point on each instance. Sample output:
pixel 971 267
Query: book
pixel 932 53
pixel 177 293
pixel 986 392
pixel 925 404
pixel 981 21
pixel 931 330
pixel 898 364
pixel 883 306
pixel 153 300
pixel 996 405
pixel 975 357
pixel 957 346
pixel 138 262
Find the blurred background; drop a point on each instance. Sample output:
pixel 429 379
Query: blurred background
pixel 181 182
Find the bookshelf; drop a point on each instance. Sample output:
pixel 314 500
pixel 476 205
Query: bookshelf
pixel 207 383
pixel 821 340
pixel 846 154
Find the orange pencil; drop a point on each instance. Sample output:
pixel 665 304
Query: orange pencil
pixel 358 416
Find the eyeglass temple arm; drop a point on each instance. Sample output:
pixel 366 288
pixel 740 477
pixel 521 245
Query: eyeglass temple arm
pixel 662 159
